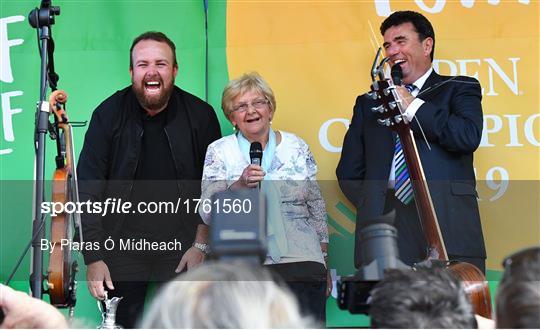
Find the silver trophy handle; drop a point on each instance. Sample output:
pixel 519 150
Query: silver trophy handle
pixel 109 314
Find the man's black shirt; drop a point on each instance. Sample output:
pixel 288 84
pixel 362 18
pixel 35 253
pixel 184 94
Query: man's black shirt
pixel 154 184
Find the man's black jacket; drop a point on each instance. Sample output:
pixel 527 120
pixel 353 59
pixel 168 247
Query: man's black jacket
pixel 111 150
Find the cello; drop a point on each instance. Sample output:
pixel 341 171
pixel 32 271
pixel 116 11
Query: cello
pixel 61 283
pixel 391 114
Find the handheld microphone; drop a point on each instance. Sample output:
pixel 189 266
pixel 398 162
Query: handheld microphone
pixel 397 74
pixel 256 154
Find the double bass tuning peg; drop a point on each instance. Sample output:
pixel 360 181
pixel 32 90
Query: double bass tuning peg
pixel 385 122
pixel 380 109
pixel 373 95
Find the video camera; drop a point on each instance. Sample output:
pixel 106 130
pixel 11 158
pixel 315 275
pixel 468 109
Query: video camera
pixel 238 229
pixel 378 252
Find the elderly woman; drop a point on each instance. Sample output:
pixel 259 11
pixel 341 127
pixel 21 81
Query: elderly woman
pixel 296 222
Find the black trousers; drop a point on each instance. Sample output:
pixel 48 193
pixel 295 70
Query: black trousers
pixel 307 281
pixel 131 275
pixel 411 241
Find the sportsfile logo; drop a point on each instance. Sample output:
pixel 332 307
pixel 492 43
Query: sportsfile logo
pixel 119 206
pixel 384 8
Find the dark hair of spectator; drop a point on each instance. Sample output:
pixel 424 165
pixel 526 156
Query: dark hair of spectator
pixel 156 36
pixel 425 298
pixel 518 296
pixel 421 24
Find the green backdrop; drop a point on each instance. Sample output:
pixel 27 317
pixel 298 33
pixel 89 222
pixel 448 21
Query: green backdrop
pixel 92 59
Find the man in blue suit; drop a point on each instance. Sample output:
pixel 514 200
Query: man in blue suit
pixel 449 112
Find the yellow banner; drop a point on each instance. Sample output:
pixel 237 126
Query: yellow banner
pixel 316 55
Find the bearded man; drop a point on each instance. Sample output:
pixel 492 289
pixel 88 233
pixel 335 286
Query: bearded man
pixel 145 146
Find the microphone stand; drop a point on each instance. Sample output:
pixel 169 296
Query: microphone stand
pixel 41 19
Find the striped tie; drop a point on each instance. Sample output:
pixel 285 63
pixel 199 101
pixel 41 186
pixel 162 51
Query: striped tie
pixel 403 185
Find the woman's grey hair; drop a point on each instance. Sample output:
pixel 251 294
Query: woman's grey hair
pixel 247 82
pixel 224 295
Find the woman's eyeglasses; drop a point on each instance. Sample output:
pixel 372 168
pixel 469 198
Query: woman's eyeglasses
pixel 257 104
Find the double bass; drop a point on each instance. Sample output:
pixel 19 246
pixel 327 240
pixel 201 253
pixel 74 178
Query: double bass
pixel 61 283
pixel 391 112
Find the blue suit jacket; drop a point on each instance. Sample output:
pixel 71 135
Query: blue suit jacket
pixel 451 119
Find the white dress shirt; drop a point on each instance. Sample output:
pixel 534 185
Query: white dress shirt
pixel 409 113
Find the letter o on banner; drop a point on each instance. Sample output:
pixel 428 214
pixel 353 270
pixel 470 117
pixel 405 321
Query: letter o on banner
pixel 323 134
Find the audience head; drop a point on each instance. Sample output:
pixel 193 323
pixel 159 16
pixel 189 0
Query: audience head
pixel 518 296
pixel 224 295
pixel 421 298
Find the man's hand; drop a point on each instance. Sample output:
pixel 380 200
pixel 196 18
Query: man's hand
pixel 22 311
pixel 190 259
pixel 405 96
pixel 97 273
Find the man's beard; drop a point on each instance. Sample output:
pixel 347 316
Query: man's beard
pixel 153 102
